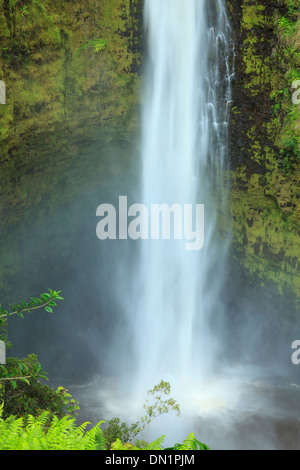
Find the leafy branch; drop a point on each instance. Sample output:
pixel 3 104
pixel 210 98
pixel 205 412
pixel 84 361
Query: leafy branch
pixel 158 408
pixel 46 301
pixel 22 371
pixel 117 432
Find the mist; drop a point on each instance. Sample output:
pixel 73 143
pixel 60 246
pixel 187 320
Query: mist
pixel 136 311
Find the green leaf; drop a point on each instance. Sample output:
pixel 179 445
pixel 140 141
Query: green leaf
pixel 26 381
pixel 201 445
pixel 45 296
pixel 49 309
pixel 42 376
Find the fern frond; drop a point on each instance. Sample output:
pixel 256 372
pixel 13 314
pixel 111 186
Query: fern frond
pixel 188 443
pixel 201 446
pixel 94 438
pixel 117 445
pixel 156 445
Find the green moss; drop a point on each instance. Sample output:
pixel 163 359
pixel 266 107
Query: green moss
pixel 252 14
pixel 265 193
pixel 53 80
pixel 267 243
pixel 59 96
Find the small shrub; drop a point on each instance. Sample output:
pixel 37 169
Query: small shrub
pixel 118 431
pixel 29 396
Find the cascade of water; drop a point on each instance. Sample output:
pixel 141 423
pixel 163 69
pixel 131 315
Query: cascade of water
pixel 184 144
pixel 172 296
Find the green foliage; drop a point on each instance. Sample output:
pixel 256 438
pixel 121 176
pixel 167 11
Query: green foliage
pixel 285 166
pixel 20 389
pixel 33 416
pixel 286 26
pixel 18 13
pixel 276 107
pixel 18 51
pixel 121 431
pixel 23 394
pixel 117 431
pixel 292 6
pixel 15 370
pixel 290 144
pixel 72 405
pixel 39 434
pixel 64 434
pixel 156 445
pixel 190 443
pixel 46 301
pixel 96 44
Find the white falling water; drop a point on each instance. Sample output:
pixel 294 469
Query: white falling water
pixel 184 142
pixel 173 298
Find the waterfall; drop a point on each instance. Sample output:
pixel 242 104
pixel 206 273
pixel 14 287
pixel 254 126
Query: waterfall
pixel 186 96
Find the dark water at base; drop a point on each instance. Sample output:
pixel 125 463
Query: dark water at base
pixel 228 413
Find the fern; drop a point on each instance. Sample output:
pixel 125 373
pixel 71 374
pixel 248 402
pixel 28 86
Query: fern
pixel 60 434
pixel 190 443
pixel 45 432
pixel 156 445
pixel 95 439
pixel 118 445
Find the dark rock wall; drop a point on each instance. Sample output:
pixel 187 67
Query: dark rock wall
pixel 265 141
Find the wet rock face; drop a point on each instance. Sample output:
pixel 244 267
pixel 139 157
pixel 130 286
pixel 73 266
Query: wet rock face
pixel 70 64
pixel 265 172
pixel 72 73
pixel 254 40
pixel 66 87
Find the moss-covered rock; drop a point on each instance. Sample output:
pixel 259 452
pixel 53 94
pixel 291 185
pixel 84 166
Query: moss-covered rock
pixel 265 140
pixel 66 64
pixel 72 77
pixel 71 71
